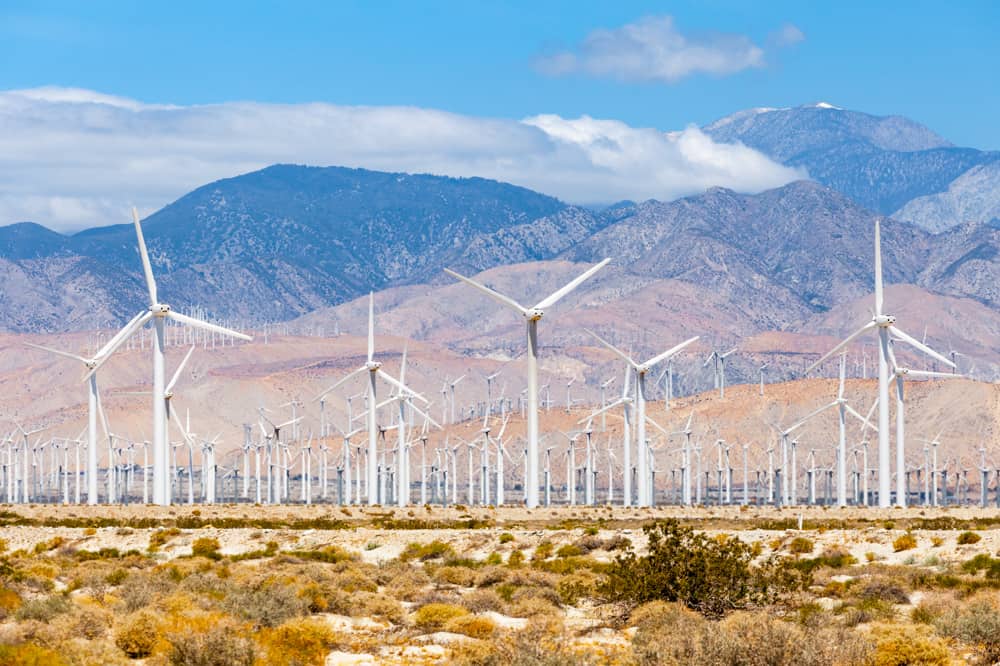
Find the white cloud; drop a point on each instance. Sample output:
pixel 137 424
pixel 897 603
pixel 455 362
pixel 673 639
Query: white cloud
pixel 653 50
pixel 76 158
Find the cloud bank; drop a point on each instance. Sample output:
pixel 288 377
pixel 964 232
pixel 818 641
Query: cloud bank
pixel 73 158
pixel 653 50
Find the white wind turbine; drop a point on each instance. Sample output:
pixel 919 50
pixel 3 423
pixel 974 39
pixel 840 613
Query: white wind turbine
pixel 626 402
pixel 158 313
pixel 641 369
pixel 884 324
pixel 374 369
pixel 899 372
pixel 531 316
pixel 89 365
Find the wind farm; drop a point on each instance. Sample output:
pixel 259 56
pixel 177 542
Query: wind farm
pixel 340 334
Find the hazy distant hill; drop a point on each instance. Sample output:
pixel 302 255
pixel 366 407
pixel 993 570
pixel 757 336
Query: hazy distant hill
pixel 881 163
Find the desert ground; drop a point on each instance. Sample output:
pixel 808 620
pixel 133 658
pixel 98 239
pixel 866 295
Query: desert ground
pixel 248 584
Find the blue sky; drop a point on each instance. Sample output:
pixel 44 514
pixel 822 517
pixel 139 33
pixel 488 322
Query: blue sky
pixel 934 62
pixel 105 105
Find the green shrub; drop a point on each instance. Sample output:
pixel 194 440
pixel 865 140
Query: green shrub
pixel 968 538
pixel 712 576
pixel 44 609
pixel 506 537
pixel 543 551
pixel 909 646
pixel 429 551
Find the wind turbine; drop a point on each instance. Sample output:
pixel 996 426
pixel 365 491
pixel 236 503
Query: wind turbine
pixel 641 369
pixel 90 364
pixel 158 313
pixel 883 324
pixel 719 368
pixel 374 369
pixel 626 402
pixel 531 316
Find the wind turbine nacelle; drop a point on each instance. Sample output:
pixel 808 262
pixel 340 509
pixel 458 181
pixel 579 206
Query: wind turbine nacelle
pixel 159 310
pixel 534 314
pixel 372 366
pixel 884 321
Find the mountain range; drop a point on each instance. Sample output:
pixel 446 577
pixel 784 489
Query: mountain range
pixel 303 242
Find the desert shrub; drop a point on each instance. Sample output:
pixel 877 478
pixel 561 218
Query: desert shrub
pixel 481 601
pixel 968 538
pixel 43 609
pixel 433 617
pixel 976 623
pixel 429 551
pixel 29 655
pixel 543 551
pixel 330 554
pixel 666 633
pixel 453 575
pixel 576 586
pixel 91 623
pixel 408 584
pixel 299 643
pixel 376 605
pixel 471 626
pixel 983 562
pixel 266 603
pixel 488 576
pixel 617 542
pixel 142 588
pixel 588 543
pixel 354 579
pixel 569 550
pixel 138 635
pixel 10 601
pixel 533 607
pixel 506 537
pixel 515 559
pixel 206 547
pixel 709 575
pixel 886 590
pixel 540 644
pixel 908 646
pixel 833 557
pixel 756 638
pixel 161 537
pixel 904 542
pixel 536 592
pixel 867 610
pixel 218 645
pixel 800 546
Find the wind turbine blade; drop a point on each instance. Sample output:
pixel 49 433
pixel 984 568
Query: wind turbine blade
pixel 670 352
pixel 56 352
pixel 402 365
pixel 427 417
pixel 113 342
pixel 843 371
pixel 500 298
pixel 619 352
pixel 553 298
pixel 913 342
pixel 656 425
pixel 147 269
pixel 878 267
pixel 853 412
pixel 402 387
pixel 848 340
pixel 600 411
pixel 811 414
pixel 342 381
pixel 180 369
pixel 124 334
pixel 929 373
pixel 198 323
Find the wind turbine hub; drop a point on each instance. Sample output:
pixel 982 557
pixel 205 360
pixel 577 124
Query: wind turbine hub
pixel 159 310
pixel 884 321
pixel 372 366
pixel 534 314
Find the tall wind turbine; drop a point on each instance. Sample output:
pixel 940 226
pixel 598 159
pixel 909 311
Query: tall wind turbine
pixel 374 369
pixel 531 316
pixel 90 364
pixel 158 313
pixel 641 370
pixel 883 324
